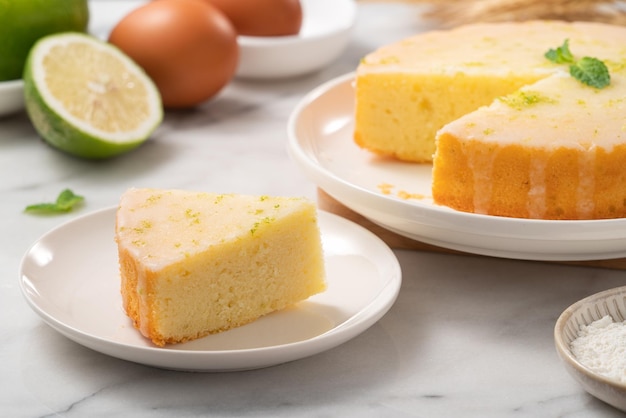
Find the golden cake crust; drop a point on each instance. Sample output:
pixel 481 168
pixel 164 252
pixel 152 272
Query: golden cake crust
pixel 564 192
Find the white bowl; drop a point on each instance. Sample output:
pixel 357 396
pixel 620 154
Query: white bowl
pixel 609 302
pixel 326 28
pixel 11 96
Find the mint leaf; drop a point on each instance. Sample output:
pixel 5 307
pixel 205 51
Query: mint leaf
pixel 588 70
pixel 42 208
pixel 591 71
pixel 561 55
pixel 66 201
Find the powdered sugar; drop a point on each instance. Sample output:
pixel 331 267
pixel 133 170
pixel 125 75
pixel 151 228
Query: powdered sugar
pixel 601 346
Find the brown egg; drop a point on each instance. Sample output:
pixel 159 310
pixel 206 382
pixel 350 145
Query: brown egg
pixel 263 17
pixel 188 47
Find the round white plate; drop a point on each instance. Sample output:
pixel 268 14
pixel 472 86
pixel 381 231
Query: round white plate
pixel 320 141
pixel 11 96
pixel 70 278
pixel 325 33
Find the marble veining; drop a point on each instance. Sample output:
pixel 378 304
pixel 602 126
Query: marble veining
pixel 468 336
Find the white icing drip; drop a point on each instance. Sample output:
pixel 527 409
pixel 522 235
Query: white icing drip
pixel 481 164
pixel 586 183
pixel 537 192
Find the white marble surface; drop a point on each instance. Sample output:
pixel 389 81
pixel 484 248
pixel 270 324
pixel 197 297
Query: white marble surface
pixel 468 336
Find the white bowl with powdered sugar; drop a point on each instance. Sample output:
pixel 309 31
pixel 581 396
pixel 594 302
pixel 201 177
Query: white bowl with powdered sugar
pixel 590 338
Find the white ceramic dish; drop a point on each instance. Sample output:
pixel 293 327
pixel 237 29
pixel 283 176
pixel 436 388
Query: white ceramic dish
pixel 325 33
pixel 320 141
pixel 610 302
pixel 105 14
pixel 70 278
pixel 11 97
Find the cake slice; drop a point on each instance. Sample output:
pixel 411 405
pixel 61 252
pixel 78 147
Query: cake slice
pixel 553 150
pixel 195 263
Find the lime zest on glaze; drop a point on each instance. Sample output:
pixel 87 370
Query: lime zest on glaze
pixel 525 98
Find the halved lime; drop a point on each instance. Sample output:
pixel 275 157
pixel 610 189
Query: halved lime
pixel 87 98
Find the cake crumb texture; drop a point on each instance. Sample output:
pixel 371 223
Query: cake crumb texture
pixel 408 90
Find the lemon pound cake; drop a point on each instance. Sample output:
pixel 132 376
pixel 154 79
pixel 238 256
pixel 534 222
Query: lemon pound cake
pixel 555 149
pixel 406 91
pixel 196 263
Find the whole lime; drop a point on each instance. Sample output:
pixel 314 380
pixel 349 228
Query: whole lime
pixel 22 22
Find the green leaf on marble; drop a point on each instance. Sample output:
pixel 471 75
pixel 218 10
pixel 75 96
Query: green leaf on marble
pixel 66 201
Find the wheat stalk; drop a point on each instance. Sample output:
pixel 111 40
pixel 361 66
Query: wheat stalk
pixel 457 12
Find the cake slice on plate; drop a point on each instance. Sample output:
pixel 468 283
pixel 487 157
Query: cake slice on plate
pixel 195 263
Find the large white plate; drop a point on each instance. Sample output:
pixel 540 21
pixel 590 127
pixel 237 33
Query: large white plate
pixel 320 141
pixel 70 278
